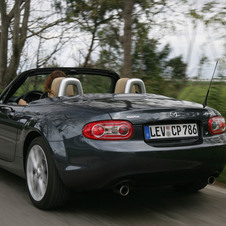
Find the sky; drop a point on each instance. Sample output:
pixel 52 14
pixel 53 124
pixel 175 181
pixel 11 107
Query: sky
pixel 193 40
pixel 203 43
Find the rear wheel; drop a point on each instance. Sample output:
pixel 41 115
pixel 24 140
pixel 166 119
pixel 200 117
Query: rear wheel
pixel 45 187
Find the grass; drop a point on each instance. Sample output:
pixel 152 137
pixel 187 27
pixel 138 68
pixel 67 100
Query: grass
pixel 197 92
pixel 222 177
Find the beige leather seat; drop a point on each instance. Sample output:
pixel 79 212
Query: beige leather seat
pixel 55 88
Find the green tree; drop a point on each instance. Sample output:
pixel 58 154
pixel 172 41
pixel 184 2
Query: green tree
pixel 111 24
pixel 21 22
pixel 161 73
pixel 90 16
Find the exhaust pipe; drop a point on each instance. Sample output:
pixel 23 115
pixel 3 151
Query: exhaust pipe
pixel 122 189
pixel 211 180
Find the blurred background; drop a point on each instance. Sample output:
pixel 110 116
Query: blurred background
pixel 173 45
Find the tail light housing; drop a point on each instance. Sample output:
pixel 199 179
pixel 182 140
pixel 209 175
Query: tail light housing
pixel 217 125
pixel 108 130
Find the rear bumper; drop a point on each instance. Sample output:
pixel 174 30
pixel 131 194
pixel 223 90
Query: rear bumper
pixel 103 164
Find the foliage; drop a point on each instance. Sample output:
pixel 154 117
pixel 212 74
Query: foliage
pixel 197 92
pixel 26 29
pixel 113 34
pixel 154 66
pixel 120 32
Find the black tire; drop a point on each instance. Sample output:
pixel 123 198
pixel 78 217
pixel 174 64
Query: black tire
pixel 45 187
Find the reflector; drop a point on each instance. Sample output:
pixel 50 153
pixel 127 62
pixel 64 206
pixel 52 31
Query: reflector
pixel 217 125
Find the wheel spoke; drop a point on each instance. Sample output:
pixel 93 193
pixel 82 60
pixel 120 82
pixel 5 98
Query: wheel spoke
pixel 42 187
pixel 32 158
pixel 37 173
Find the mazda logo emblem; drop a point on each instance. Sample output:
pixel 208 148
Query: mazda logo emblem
pixel 173 114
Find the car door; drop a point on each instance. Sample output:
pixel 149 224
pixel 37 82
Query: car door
pixel 9 124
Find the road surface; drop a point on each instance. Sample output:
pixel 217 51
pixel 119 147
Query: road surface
pixel 155 206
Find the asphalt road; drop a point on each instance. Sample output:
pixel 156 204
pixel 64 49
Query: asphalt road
pixel 155 206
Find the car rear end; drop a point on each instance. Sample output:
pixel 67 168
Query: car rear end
pixel 146 144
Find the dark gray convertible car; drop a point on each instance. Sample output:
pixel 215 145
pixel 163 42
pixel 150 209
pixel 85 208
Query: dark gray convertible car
pixel 107 133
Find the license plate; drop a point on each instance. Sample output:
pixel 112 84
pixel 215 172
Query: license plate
pixel 171 131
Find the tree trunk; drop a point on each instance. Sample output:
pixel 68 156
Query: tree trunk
pixel 10 63
pixel 19 37
pixel 127 37
pixel 87 58
pixel 3 40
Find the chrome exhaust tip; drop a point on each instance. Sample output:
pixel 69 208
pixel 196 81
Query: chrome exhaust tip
pixel 211 180
pixel 122 189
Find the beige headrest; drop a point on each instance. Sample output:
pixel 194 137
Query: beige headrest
pixel 56 85
pixel 121 84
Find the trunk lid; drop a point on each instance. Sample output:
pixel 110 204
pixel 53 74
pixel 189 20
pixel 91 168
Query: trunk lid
pixel 156 108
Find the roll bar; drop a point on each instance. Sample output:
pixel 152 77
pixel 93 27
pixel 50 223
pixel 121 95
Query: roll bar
pixel 134 81
pixel 69 81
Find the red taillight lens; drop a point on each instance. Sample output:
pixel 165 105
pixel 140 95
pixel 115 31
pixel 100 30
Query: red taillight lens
pixel 98 131
pixel 217 125
pixel 108 130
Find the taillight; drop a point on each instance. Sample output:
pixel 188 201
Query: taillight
pixel 108 130
pixel 217 125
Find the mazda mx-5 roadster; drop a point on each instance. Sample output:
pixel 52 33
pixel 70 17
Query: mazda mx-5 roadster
pixel 97 131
